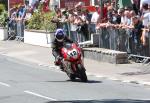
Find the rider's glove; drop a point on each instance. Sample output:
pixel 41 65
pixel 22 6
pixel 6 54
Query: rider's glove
pixel 59 58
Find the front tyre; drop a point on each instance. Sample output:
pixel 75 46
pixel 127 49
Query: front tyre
pixel 72 77
pixel 83 76
pixel 82 73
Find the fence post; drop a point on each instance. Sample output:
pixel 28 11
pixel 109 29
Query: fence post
pixel 69 32
pixel 99 31
pixel 149 43
pixel 20 30
pixel 113 35
pixel 106 38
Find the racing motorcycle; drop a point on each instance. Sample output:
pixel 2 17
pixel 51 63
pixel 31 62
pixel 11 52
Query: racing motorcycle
pixel 72 61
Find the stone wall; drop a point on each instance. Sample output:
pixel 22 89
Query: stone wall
pixel 106 55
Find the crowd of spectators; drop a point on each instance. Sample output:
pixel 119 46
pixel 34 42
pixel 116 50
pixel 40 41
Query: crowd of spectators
pixel 127 18
pixel 79 23
pixel 83 23
pixel 74 21
pixel 135 21
pixel 18 16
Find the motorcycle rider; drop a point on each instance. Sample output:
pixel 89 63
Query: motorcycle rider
pixel 57 44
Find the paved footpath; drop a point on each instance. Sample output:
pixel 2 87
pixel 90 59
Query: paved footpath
pixel 133 72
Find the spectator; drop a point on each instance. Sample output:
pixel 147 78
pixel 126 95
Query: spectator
pixel 113 4
pixel 34 5
pixel 12 23
pixel 104 19
pixel 20 21
pixel 12 20
pixel 145 19
pixel 28 15
pixel 121 15
pixel 57 19
pixel 78 6
pixel 79 22
pixel 64 20
pixel 145 14
pixel 22 12
pixel 46 5
pixel 56 8
pixel 110 15
pixel 94 20
pixel 136 34
pixel 116 17
pixel 144 2
pixel 132 13
pixel 126 20
pixel 73 27
pixel 135 5
pixel 84 27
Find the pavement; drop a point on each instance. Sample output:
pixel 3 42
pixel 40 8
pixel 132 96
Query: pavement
pixel 129 73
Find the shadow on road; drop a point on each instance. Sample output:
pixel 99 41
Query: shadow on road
pixel 103 101
pixel 78 80
pixel 135 73
pixel 89 81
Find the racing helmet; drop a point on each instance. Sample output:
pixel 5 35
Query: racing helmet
pixel 59 35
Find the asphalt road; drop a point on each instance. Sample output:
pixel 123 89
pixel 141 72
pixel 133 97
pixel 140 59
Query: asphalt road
pixel 24 82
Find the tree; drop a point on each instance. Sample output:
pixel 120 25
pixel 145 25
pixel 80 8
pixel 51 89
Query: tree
pixel 5 3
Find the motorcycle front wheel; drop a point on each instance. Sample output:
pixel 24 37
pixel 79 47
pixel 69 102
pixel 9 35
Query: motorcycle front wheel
pixel 72 77
pixel 82 73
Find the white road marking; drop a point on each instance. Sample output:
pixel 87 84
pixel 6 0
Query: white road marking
pixel 39 95
pixel 144 83
pixel 114 79
pixel 4 84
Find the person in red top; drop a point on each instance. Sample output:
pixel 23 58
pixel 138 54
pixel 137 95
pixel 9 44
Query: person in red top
pixel 105 12
pixel 46 6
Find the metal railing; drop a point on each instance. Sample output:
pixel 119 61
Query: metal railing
pixel 123 40
pixel 16 30
pixel 78 35
pixel 109 38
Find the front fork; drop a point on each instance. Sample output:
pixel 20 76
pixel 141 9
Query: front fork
pixel 68 67
pixel 75 65
pixel 72 67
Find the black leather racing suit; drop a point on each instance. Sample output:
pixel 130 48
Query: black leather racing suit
pixel 56 47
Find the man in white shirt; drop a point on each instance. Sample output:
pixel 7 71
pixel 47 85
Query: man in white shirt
pixel 94 20
pixel 143 2
pixel 145 20
pixel 146 15
pixel 95 17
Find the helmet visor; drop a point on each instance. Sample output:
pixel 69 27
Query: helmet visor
pixel 60 37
